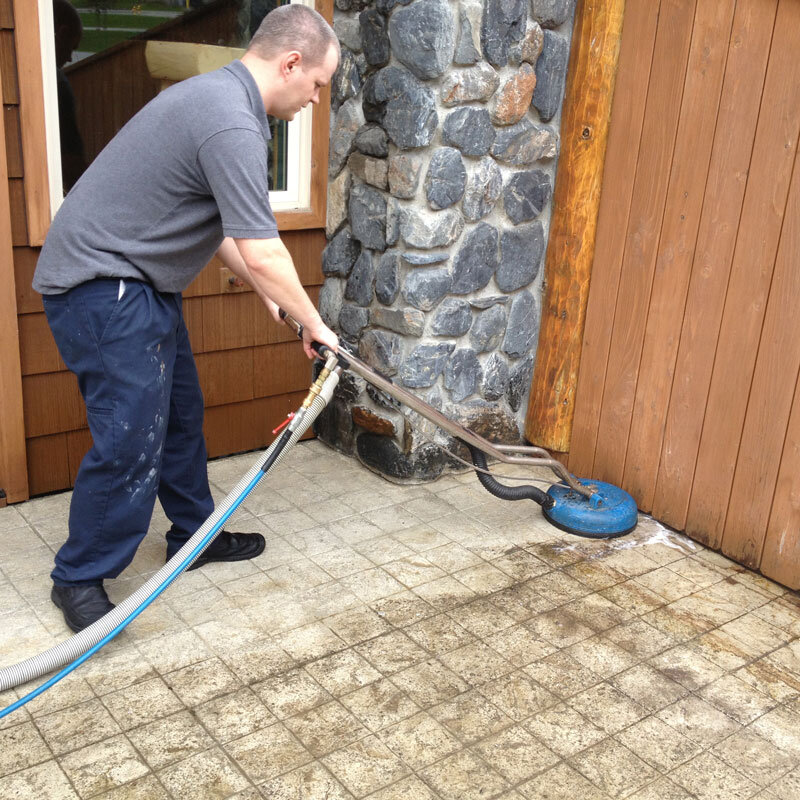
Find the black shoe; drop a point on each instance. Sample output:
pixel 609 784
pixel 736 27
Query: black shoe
pixel 226 547
pixel 81 605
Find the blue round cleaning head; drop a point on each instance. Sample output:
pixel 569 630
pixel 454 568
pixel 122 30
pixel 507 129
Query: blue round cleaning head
pixel 610 511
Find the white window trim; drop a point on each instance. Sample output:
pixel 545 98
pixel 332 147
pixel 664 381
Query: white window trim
pixel 296 197
pixel 50 91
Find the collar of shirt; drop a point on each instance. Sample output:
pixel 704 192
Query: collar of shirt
pixel 243 74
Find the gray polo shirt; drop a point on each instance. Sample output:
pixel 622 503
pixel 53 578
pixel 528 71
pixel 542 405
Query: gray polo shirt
pixel 190 167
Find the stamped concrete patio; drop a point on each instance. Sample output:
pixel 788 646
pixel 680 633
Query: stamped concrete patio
pixel 407 643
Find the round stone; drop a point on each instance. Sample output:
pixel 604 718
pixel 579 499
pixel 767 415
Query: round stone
pixel 523 326
pixel 428 229
pixel 477 259
pixel 551 75
pixel 495 377
pixel 340 254
pixel 488 329
pixel 462 374
pixel 371 140
pixel 367 211
pixel 524 143
pixel 503 24
pixel 424 288
pixel 387 279
pixel 483 189
pixel 526 194
pixel 446 178
pixel 470 130
pixel 425 364
pixel 521 252
pixel 453 318
pixel 394 98
pixel 359 287
pixel 374 38
pixel 422 37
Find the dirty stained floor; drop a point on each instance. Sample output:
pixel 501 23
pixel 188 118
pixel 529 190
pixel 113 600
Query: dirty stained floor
pixel 409 643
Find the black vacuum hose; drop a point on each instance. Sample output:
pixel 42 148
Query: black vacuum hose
pixel 501 490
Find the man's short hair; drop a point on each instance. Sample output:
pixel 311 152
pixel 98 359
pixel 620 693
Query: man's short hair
pixel 64 13
pixel 294 27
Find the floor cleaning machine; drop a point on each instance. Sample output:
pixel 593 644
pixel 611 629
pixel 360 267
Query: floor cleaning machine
pixel 586 508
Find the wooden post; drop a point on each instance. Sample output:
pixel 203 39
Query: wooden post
pixel 584 131
pixel 13 463
pixel 32 118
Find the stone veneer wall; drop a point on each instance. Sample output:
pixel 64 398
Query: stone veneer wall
pixel 444 138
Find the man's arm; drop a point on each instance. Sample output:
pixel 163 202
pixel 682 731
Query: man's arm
pixel 230 256
pixel 266 265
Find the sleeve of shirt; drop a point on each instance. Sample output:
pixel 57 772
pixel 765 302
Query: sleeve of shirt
pixel 234 163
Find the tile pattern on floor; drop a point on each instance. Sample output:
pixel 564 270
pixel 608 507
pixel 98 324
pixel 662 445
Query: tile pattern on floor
pixel 408 643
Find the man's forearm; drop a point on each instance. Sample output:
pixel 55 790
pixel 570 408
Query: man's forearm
pixel 270 271
pixel 230 256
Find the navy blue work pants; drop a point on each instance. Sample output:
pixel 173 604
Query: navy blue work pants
pixel 144 406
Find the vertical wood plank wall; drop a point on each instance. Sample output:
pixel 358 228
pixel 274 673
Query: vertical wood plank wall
pixel 252 370
pixel 688 391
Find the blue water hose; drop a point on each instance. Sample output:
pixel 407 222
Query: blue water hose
pixel 135 613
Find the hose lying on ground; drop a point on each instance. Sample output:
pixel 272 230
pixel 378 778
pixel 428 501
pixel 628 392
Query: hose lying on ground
pixel 105 628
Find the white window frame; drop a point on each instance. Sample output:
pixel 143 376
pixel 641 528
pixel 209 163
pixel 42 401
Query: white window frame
pixel 296 196
pixel 50 91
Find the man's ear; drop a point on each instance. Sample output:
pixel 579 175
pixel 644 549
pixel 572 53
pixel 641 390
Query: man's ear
pixel 292 61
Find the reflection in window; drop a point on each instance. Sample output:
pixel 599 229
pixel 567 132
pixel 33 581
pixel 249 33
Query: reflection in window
pixel 103 79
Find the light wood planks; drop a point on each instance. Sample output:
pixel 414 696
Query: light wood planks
pixel 670 56
pixel 751 274
pixel 771 395
pixel 636 53
pixel 13 469
pixel 690 377
pixel 584 133
pixel 781 557
pixel 31 103
pixel 697 119
pixel 722 212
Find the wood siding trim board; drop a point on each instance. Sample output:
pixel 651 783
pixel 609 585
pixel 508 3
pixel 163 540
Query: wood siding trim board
pixel 32 119
pixel 584 133
pixel 13 465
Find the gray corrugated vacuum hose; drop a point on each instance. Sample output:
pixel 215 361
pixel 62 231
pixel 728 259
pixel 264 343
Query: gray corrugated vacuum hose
pixel 74 647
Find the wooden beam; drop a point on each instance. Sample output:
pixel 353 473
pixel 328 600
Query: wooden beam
pixel 584 131
pixel 32 117
pixel 176 61
pixel 13 464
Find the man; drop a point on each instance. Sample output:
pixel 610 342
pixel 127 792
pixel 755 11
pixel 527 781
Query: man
pixel 68 30
pixel 185 178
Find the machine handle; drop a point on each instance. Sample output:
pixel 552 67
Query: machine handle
pixel 322 350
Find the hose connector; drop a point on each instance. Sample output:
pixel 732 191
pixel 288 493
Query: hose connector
pixel 316 387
